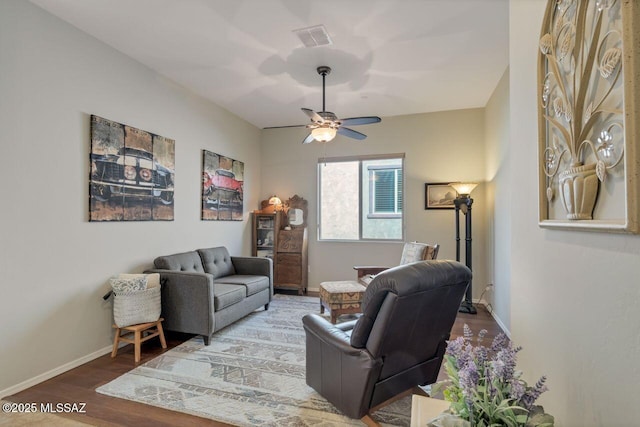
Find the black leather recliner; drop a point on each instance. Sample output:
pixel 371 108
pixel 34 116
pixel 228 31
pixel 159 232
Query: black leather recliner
pixel 397 343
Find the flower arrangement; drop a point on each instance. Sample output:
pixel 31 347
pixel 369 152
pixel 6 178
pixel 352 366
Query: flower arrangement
pixel 485 388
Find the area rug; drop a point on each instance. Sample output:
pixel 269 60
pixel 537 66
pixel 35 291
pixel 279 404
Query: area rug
pixel 252 374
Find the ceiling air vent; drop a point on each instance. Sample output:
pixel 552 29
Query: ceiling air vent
pixel 314 36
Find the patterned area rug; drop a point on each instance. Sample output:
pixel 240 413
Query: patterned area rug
pixel 252 374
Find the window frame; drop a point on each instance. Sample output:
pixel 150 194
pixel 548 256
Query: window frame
pixel 360 159
pixel 372 192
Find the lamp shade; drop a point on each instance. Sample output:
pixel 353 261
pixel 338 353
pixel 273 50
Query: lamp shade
pixel 275 200
pixel 464 187
pixel 323 134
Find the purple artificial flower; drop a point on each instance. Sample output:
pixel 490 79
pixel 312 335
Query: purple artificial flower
pixel 481 356
pixel 531 395
pixel 466 331
pixel 504 364
pixel 491 388
pixel 469 378
pixel 465 357
pixel 481 335
pixel 517 390
pixel 499 342
pixel 499 366
pixel 454 347
pixel 488 374
pixel 461 350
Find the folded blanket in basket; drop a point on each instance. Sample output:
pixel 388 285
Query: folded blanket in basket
pixel 137 298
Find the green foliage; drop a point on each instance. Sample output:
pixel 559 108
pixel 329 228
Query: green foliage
pixel 485 389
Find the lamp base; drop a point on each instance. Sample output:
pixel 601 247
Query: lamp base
pixel 467 307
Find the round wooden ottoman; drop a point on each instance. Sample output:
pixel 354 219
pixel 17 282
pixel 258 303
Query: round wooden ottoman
pixel 344 297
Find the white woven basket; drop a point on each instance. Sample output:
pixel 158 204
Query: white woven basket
pixel 131 308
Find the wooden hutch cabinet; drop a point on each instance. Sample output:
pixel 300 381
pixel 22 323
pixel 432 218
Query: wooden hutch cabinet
pixel 291 260
pixel 280 233
pixel 265 234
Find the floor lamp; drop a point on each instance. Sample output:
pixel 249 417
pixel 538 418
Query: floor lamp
pixel 463 203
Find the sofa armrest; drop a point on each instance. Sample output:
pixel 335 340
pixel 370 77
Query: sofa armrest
pixel 344 375
pixel 363 270
pixel 254 266
pixel 367 272
pixel 187 301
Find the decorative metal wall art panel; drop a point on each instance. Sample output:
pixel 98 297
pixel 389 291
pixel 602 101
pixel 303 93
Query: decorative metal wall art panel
pixel 131 173
pixel 222 187
pixel 588 73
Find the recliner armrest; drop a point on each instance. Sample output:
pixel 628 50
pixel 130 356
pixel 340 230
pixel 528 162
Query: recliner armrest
pixel 329 333
pixel 347 326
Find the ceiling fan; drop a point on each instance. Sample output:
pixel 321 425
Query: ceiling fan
pixel 325 124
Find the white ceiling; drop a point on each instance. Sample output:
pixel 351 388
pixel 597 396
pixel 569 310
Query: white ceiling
pixel 389 57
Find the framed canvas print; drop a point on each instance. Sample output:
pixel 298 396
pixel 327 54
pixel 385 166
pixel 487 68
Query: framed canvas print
pixel 131 173
pixel 439 195
pixel 222 187
pixel 588 88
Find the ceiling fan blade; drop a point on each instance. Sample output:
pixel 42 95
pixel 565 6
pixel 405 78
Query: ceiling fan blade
pixel 315 117
pixel 308 139
pixel 351 133
pixel 283 127
pixel 354 121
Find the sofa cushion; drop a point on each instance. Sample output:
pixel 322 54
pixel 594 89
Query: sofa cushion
pixel 217 261
pixel 186 261
pixel 252 284
pixel 225 295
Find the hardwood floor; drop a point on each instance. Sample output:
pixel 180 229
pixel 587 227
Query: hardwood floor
pixel 79 384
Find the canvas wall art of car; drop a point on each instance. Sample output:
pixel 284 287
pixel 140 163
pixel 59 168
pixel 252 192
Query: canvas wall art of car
pixel 132 173
pixel 222 187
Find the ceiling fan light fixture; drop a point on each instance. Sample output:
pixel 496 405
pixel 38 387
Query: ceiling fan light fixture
pixel 323 134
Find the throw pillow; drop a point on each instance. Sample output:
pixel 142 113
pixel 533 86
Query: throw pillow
pixel 129 283
pixel 412 252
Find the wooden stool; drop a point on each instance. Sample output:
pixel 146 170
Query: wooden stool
pixel 141 333
pixel 343 297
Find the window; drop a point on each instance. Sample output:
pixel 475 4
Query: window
pixel 361 198
pixel 385 191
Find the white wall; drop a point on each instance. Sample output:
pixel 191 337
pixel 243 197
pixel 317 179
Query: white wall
pixel 54 264
pixel 499 202
pixel 574 295
pixel 440 147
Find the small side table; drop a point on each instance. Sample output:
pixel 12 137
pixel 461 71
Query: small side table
pixel 344 297
pixel 140 333
pixel 424 409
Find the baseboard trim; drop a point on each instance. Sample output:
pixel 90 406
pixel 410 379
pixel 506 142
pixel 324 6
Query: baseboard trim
pixel 495 317
pixel 506 331
pixel 54 372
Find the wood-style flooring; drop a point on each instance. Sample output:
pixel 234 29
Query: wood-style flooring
pixel 79 384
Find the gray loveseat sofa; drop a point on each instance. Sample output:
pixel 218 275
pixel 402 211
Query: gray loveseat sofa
pixel 205 290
